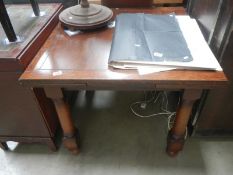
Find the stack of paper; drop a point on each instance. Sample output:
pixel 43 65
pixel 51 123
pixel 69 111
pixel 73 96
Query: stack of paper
pixel 171 46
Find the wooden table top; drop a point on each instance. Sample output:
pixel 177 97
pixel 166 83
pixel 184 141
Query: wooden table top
pixel 82 60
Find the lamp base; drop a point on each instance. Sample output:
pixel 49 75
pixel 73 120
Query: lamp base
pixel 85 18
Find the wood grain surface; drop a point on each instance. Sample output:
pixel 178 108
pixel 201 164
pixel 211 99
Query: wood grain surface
pixel 82 60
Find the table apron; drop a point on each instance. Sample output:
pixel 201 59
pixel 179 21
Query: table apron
pixel 125 85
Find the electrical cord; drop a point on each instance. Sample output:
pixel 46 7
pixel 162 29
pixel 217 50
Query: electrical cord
pixel 154 99
pixel 164 108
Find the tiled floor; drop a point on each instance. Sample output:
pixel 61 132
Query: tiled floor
pixel 114 141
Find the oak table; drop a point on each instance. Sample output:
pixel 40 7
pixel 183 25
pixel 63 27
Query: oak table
pixel 80 62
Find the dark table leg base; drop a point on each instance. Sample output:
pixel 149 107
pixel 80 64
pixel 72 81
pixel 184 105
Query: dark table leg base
pixel 72 142
pixel 174 144
pixel 4 146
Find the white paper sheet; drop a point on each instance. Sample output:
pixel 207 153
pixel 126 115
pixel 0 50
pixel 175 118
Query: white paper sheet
pixel 143 70
pixel 203 58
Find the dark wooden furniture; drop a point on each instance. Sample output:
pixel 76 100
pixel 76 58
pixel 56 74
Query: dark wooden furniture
pixel 215 18
pixel 138 3
pixel 81 62
pixel 6 23
pixel 26 115
pixel 127 3
pixel 35 7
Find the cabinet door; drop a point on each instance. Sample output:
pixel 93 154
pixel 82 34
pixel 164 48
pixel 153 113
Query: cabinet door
pixel 216 117
pixel 215 20
pixel 20 114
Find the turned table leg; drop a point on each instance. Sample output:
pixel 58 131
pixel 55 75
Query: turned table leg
pixel 175 139
pixel 70 138
pixel 3 145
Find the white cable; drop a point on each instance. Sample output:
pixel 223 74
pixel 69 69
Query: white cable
pixel 166 112
pixel 170 120
pixel 145 96
pixel 164 108
pixel 145 116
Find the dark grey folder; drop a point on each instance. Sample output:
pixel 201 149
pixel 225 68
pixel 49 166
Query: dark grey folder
pixel 148 38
